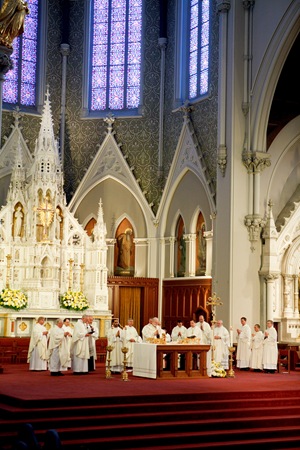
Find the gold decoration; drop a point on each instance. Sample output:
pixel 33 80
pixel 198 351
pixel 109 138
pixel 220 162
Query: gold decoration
pixel 46 214
pixel 124 373
pixel 47 326
pixel 214 301
pixel 109 349
pixel 12 17
pixel 22 326
pixel 230 372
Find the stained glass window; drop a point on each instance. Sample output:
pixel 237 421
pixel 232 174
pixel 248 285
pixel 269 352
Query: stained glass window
pixel 116 35
pixel 20 84
pixel 198 48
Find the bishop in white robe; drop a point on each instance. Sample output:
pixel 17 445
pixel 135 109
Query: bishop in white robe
pixel 221 343
pixel 151 330
pixel 93 336
pixel 58 349
pixel 37 353
pixel 80 352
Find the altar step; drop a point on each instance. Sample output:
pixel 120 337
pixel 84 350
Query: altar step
pixel 271 421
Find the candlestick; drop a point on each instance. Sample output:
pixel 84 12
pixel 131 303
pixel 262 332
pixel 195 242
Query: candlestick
pixel 124 373
pixel 109 349
pixel 230 372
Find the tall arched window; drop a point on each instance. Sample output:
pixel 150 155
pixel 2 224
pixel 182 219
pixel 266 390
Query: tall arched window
pixel 193 50
pixel 115 56
pixel 23 84
pixel 198 47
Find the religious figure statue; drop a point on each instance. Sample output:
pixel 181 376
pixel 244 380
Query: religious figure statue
pixel 58 224
pixel 18 221
pixel 125 244
pixel 182 256
pixel 12 17
pixel 46 214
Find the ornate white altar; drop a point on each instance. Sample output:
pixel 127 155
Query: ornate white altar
pixel 44 251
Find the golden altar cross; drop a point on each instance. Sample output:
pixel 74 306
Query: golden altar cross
pixel 46 214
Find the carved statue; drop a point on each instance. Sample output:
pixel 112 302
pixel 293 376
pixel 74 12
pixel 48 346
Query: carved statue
pixel 12 17
pixel 18 221
pixel 125 244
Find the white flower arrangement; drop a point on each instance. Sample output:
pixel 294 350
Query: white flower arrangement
pixel 74 300
pixel 217 370
pixel 13 299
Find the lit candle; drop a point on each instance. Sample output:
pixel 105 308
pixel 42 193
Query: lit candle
pixel 231 336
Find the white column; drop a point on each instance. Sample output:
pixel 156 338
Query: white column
pixel 270 289
pixel 288 310
pixel 296 296
pixel 172 256
pixel 223 8
pixel 208 235
pixel 190 263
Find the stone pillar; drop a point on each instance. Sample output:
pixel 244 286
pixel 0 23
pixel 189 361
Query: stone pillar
pixel 270 285
pixel 296 296
pixel 208 235
pixel 172 256
pixel 287 309
pixel 190 264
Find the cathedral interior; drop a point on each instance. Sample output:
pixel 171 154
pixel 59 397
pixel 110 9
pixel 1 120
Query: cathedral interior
pixel 150 157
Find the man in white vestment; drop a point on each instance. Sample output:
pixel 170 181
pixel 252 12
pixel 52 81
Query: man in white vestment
pixel 59 356
pixel 221 343
pixel 151 330
pixel 115 339
pixel 37 352
pixel 206 339
pixel 194 332
pixel 67 328
pixel 243 345
pixel 204 326
pixel 80 352
pixel 179 332
pixel 257 346
pixel 130 337
pixel 270 350
pixel 93 336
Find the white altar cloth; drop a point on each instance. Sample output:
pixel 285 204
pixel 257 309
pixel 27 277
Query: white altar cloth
pixel 144 360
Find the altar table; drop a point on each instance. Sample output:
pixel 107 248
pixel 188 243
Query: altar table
pixel 149 360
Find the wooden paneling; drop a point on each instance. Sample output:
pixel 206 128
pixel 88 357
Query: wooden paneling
pixel 185 299
pixel 149 295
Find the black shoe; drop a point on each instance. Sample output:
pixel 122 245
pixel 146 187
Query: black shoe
pixel 54 374
pixel 59 374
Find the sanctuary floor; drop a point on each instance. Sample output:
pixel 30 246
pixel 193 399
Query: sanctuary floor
pixel 17 381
